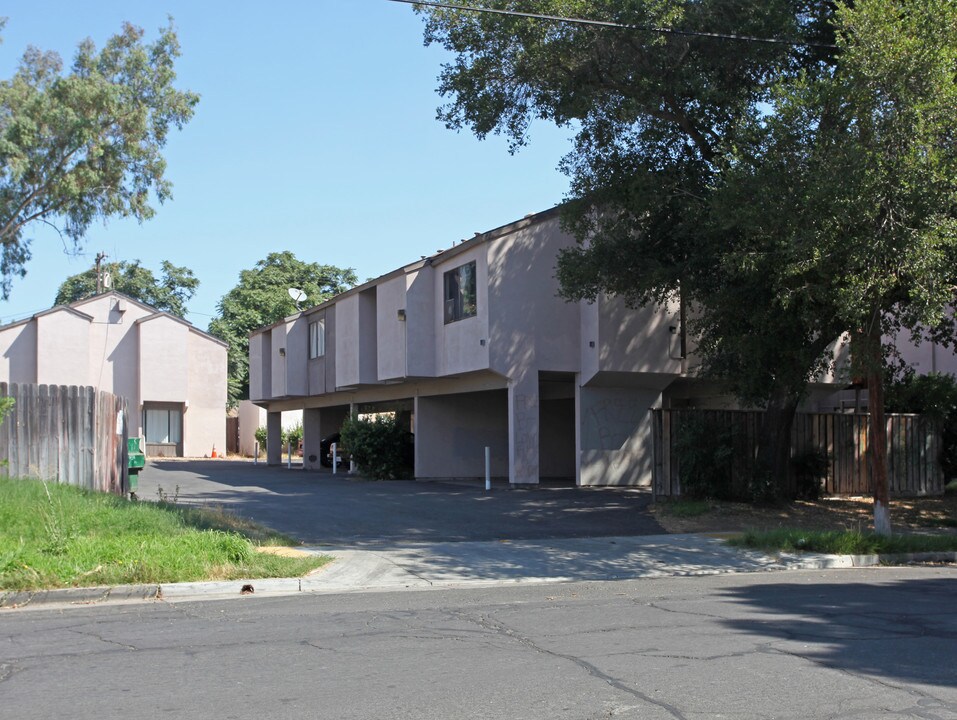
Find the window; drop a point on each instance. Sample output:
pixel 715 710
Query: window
pixel 317 339
pixel 162 425
pixel 460 293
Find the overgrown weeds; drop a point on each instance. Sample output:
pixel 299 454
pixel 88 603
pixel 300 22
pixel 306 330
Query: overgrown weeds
pixel 60 536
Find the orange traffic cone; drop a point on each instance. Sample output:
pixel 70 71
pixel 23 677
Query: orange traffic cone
pixel 214 452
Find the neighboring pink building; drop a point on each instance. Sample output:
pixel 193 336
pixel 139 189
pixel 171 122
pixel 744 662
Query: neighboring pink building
pixel 475 345
pixel 172 374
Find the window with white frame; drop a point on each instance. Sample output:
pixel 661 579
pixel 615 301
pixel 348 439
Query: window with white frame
pixel 317 338
pixel 459 293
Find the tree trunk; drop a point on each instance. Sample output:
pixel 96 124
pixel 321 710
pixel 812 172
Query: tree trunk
pixel 877 431
pixel 773 462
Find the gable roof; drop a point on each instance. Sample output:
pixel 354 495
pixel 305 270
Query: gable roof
pixel 153 313
pixel 157 314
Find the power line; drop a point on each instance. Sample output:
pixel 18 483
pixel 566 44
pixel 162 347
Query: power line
pixel 622 26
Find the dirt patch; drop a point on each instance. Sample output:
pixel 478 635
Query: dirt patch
pixel 908 514
pixel 282 551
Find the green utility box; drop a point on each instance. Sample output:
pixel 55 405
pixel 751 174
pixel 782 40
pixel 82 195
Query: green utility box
pixel 137 461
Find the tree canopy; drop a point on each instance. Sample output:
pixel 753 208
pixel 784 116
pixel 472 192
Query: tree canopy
pixel 791 191
pixel 170 292
pixel 261 297
pixel 85 145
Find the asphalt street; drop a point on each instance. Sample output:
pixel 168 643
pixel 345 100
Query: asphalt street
pixel 324 509
pixel 848 644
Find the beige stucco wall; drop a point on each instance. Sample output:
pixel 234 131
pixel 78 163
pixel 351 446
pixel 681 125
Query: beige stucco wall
pixel 616 438
pixel 347 341
pixel 204 421
pixel 391 331
pixel 297 355
pixel 278 361
pixel 452 431
pixel 420 322
pixel 459 345
pixel 643 340
pixel 63 349
pixel 530 326
pixel 18 353
pixel 165 353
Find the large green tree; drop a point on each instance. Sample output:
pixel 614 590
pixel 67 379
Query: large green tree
pixel 655 116
pixel 170 292
pixel 790 192
pixel 261 297
pixel 85 145
pixel 863 165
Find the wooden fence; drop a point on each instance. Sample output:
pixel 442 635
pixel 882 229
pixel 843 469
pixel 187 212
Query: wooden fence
pixel 73 435
pixel 913 450
pixel 232 435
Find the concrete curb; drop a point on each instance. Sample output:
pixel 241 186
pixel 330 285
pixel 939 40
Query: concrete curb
pixel 80 596
pixel 361 571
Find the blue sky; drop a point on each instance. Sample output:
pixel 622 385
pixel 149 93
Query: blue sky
pixel 316 133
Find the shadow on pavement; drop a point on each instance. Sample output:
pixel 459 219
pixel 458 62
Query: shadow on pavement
pixel 903 631
pixel 319 508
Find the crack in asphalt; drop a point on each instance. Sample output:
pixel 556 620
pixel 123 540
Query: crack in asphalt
pixel 499 628
pixel 97 636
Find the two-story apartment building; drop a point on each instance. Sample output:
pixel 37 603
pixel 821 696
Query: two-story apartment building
pixel 172 374
pixel 475 346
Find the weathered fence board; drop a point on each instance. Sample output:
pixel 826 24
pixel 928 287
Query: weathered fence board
pixel 70 435
pixel 913 450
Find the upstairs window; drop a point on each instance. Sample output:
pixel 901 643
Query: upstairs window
pixel 460 293
pixel 317 339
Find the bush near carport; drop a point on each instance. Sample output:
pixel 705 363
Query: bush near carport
pixel 379 446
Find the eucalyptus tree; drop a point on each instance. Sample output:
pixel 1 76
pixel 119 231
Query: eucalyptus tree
pixel 84 145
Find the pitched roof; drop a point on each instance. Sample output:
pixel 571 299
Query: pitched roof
pixel 154 313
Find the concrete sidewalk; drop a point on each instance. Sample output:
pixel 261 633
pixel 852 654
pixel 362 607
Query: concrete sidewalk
pixel 426 566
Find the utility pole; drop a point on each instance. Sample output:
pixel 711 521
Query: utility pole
pixel 100 257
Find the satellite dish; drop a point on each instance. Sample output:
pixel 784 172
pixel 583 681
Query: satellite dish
pixel 297 295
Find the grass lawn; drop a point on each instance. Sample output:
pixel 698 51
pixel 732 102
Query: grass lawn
pixel 838 542
pixel 59 536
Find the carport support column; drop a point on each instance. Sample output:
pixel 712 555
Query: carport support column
pixel 523 429
pixel 354 415
pixel 274 438
pixel 311 435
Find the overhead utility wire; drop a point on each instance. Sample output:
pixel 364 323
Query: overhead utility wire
pixel 621 26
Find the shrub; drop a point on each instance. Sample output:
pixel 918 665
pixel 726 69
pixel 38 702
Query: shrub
pixel 292 436
pixel 810 468
pixel 379 446
pixel 261 434
pixel 705 453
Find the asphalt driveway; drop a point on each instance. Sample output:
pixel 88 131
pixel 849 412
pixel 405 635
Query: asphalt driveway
pixel 321 509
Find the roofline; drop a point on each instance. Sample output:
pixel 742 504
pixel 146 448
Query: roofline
pixel 55 309
pixel 163 313
pixel 72 307
pixel 479 238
